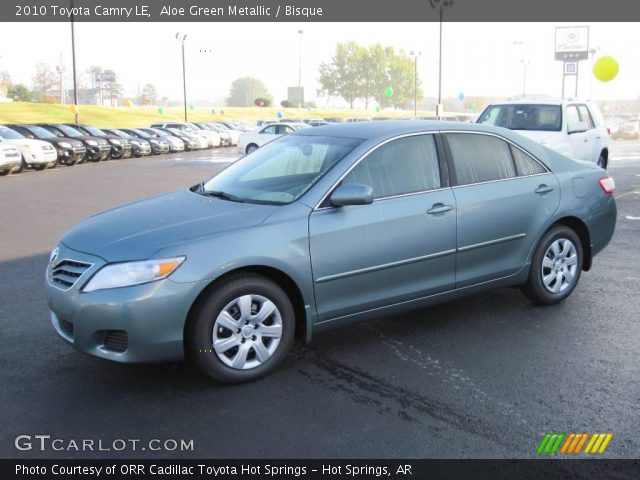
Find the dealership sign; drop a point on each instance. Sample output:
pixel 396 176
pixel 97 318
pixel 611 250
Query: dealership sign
pixel 572 43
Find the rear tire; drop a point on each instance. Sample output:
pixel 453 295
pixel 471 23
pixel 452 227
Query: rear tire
pixel 40 167
pixel 555 267
pixel 222 337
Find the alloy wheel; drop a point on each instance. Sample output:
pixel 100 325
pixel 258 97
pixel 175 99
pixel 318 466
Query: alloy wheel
pixel 247 332
pixel 559 265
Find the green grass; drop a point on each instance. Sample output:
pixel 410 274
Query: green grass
pixel 116 117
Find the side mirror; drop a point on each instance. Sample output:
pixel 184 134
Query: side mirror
pixel 352 194
pixel 577 127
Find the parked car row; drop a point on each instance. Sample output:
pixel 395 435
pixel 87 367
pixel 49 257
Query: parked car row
pixel 47 145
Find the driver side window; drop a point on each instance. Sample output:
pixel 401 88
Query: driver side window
pixel 406 165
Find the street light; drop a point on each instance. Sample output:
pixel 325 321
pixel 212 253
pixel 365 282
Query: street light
pixel 415 56
pixel 181 39
pixel 440 5
pixel 73 56
pixel 300 32
pixel 524 77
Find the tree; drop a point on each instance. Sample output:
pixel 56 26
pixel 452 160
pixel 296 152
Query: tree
pixel 287 104
pixel 19 93
pixel 245 90
pixel 43 79
pixel 402 80
pixel 148 95
pixel 344 75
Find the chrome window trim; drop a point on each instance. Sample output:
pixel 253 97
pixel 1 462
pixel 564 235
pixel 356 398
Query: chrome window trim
pixel 432 132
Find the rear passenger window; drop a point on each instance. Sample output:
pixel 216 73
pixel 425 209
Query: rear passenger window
pixel 525 165
pixel 406 165
pixel 572 115
pixel 480 158
pixel 585 115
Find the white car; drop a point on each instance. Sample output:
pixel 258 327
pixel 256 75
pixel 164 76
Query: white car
pixel 10 158
pixel 571 127
pixel 213 139
pixel 36 154
pixel 250 141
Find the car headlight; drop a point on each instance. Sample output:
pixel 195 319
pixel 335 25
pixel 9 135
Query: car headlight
pixel 132 273
pixel 64 145
pixel 116 142
pixel 93 143
pixel 154 142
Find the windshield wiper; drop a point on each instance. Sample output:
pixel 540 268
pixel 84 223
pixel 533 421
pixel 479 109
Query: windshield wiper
pixel 223 195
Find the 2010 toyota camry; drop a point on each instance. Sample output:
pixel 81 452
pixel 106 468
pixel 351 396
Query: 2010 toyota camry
pixel 323 227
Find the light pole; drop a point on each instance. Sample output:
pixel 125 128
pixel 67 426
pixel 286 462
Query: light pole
pixel 300 99
pixel 524 77
pixel 73 56
pixel 415 55
pixel 440 5
pixel 592 51
pixel 181 39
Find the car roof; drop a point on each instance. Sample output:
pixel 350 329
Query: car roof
pixel 390 128
pixel 531 101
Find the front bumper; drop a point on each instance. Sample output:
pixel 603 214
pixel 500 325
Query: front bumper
pixel 70 156
pixel 139 324
pixel 41 158
pixel 8 165
pixel 159 148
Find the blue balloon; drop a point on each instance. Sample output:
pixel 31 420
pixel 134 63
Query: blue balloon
pixel 308 109
pixel 213 110
pixel 461 96
pixel 280 115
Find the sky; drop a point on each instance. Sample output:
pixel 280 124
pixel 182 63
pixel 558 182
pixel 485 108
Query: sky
pixel 478 58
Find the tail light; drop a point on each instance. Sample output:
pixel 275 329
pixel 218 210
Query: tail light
pixel 607 184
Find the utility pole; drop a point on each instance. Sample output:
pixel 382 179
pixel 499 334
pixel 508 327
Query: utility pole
pixel 73 55
pixel 415 55
pixel 181 39
pixel 300 99
pixel 440 5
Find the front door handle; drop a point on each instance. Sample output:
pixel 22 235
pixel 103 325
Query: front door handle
pixel 543 189
pixel 439 208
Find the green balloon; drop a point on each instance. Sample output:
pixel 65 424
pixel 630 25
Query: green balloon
pixel 161 111
pixel 388 92
pixel 377 108
pixel 191 107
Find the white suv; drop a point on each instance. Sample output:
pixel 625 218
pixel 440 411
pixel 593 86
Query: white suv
pixel 571 127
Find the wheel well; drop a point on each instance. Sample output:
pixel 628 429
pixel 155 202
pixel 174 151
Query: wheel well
pixel 282 279
pixel 605 153
pixel 582 231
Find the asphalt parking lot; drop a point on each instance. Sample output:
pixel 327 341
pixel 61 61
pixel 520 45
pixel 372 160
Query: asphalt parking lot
pixel 483 377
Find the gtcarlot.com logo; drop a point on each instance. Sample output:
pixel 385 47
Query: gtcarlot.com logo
pixel 574 443
pixel 45 443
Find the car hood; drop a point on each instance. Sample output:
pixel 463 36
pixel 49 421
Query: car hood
pixel 138 230
pixel 540 136
pixel 27 142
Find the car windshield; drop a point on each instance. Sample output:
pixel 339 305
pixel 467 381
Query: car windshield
pixel 140 133
pixel 10 134
pixel 160 133
pixel 280 171
pixel 122 134
pixel 40 132
pixel 524 117
pixel 176 131
pixel 149 131
pixel 95 131
pixel 68 131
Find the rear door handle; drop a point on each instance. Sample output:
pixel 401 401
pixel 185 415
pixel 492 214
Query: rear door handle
pixel 543 189
pixel 439 208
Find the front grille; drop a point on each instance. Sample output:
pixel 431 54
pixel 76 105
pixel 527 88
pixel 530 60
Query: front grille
pixel 66 273
pixel 67 327
pixel 12 154
pixel 79 149
pixel 116 340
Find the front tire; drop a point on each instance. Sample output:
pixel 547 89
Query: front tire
pixel 242 330
pixel 555 267
pixel 251 148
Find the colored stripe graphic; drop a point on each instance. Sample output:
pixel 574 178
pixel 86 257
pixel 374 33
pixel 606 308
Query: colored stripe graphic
pixel 572 443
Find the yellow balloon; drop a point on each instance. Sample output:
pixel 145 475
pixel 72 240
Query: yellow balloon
pixel 128 103
pixel 74 109
pixel 605 68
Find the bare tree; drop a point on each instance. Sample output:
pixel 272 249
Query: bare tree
pixel 43 79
